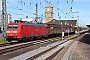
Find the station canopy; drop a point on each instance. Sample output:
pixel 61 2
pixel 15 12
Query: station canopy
pixel 88 24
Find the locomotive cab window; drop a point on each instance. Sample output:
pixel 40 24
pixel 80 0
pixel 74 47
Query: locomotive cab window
pixel 9 26
pixel 12 26
pixel 15 26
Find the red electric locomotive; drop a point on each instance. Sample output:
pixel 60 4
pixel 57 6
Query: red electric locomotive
pixel 19 30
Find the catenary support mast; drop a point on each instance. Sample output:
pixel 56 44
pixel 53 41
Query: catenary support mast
pixel 3 17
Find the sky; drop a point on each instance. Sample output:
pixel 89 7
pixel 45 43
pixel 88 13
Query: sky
pixel 23 8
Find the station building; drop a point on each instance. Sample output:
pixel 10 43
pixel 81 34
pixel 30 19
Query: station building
pixel 49 19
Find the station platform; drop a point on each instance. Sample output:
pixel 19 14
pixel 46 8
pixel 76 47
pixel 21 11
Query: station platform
pixel 81 50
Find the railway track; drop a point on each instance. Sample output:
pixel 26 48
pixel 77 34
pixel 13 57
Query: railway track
pixel 5 44
pixel 51 52
pixel 55 49
pixel 8 44
pixel 8 47
pixel 15 47
pixel 45 53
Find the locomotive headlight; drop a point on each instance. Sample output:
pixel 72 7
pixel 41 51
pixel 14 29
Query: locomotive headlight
pixel 8 32
pixel 15 31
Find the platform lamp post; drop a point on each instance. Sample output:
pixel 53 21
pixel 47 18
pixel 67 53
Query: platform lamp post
pixel 71 28
pixel 78 25
pixel 61 26
pixel 68 31
pixel 67 24
pixel 62 30
pixel 60 23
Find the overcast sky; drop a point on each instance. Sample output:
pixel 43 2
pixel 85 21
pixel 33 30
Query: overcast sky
pixel 28 8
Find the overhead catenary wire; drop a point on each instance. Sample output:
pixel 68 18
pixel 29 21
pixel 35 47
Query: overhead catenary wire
pixel 29 7
pixel 56 8
pixel 17 8
pixel 53 6
pixel 41 8
pixel 58 2
pixel 20 2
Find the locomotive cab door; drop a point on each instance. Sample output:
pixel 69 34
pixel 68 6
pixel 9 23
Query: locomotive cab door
pixel 22 31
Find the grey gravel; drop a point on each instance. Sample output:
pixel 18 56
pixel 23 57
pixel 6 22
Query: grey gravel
pixel 37 51
pixel 68 52
pixel 41 49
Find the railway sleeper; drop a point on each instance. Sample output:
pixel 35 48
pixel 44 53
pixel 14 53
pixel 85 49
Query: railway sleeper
pixel 39 54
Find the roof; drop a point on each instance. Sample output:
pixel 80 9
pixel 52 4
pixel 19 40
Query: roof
pixel 88 24
pixel 48 5
pixel 73 22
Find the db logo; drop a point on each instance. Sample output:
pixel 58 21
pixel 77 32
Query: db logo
pixel 11 31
